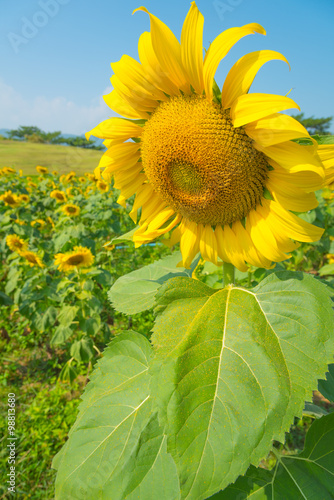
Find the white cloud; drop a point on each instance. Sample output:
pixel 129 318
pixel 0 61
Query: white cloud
pixel 50 114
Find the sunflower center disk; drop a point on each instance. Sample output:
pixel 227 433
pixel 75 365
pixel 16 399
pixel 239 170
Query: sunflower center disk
pixel 75 260
pixel 207 170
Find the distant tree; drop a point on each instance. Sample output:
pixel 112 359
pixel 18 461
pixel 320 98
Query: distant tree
pixel 23 132
pixel 52 137
pixel 315 126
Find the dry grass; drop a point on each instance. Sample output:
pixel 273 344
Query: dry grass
pixel 26 155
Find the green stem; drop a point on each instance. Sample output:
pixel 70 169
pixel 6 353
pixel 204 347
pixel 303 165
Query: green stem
pixel 228 272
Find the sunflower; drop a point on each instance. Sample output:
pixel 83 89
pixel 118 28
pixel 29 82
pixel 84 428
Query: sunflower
pixel 330 257
pixel 32 184
pixel 82 179
pixel 15 243
pixel 70 176
pixel 326 154
pixel 60 196
pixel 8 170
pixel 50 221
pixel 39 222
pixel 69 191
pixel 71 210
pixel 42 170
pixel 54 172
pixel 10 199
pixel 79 257
pixel 217 169
pixel 32 258
pixel 25 198
pixel 102 186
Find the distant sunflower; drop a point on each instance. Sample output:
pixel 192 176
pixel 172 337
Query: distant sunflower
pixel 32 258
pixel 10 199
pixel 70 176
pixel 330 258
pixel 60 196
pixel 82 179
pixel 50 221
pixel 25 198
pixel 32 184
pixel 217 169
pixel 38 222
pixel 15 243
pixel 42 170
pixel 102 186
pixel 71 210
pixel 54 172
pixel 79 257
pixel 8 170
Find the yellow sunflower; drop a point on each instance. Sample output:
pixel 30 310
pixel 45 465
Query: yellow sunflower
pixel 69 191
pixel 330 257
pixel 82 179
pixel 217 168
pixel 38 222
pixel 32 258
pixel 10 199
pixel 79 257
pixel 32 184
pixel 71 210
pixel 8 170
pixel 50 221
pixel 25 198
pixel 60 196
pixel 70 176
pixel 15 243
pixel 42 170
pixel 326 154
pixel 102 186
pixel 54 172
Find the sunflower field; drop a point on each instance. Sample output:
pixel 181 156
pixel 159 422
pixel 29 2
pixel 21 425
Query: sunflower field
pixel 184 292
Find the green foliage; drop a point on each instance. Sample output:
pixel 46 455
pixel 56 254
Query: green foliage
pixel 308 475
pixel 315 125
pixel 228 371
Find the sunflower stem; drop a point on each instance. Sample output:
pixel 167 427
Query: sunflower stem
pixel 228 273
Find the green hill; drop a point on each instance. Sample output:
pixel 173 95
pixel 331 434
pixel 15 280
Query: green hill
pixel 27 155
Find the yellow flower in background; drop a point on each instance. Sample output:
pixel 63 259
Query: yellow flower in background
pixel 216 168
pixel 62 178
pixel 330 258
pixel 54 172
pixel 102 186
pixel 58 195
pixel 90 176
pixel 25 198
pixel 82 179
pixel 32 258
pixel 10 199
pixel 88 190
pixel 71 210
pixel 42 170
pixel 50 221
pixel 20 222
pixel 32 184
pixel 79 257
pixel 70 176
pixel 108 246
pixel 20 172
pixel 69 191
pixel 15 243
pixel 38 222
pixel 8 170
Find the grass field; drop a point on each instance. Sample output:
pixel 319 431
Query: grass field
pixel 26 155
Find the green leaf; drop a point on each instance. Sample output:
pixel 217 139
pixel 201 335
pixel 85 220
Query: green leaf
pixel 62 333
pixel 327 269
pixel 116 449
pixel 82 350
pixel 307 476
pixel 49 318
pixel 135 292
pixel 239 365
pixel 90 325
pixel 315 411
pixel 125 238
pixel 324 139
pixel 67 314
pixel 326 387
pixel 5 300
pixel 12 279
pixel 68 373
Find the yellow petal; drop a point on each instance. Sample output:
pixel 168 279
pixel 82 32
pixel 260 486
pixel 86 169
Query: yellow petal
pixel 115 129
pixel 189 243
pixel 152 68
pixel 132 187
pixel 250 107
pixel 220 47
pixel 295 158
pixel 292 226
pixel 326 154
pixel 221 243
pixel 234 250
pixel 242 74
pixel 192 47
pixel 306 180
pixel 274 129
pixel 262 236
pixel 133 98
pixel 289 195
pixel 131 73
pixel 168 51
pixel 251 255
pixel 154 229
pixel 142 197
pixel 208 245
pixel 120 106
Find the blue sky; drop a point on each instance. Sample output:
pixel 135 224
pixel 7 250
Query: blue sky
pixel 56 54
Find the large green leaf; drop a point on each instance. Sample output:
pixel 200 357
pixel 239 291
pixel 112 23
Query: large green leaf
pixel 116 449
pixel 237 367
pixel 135 292
pixel 307 476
